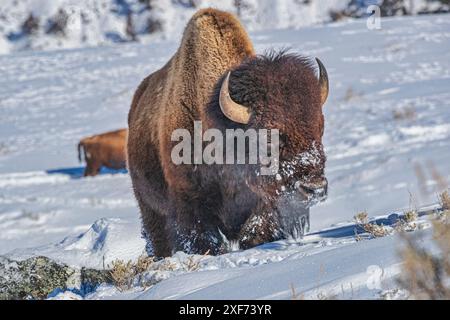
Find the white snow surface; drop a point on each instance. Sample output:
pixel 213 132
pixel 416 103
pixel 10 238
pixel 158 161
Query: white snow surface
pixel 49 100
pixel 102 22
pixel 93 23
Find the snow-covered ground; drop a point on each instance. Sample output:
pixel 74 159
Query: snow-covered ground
pixel 90 23
pixel 387 115
pixel 100 22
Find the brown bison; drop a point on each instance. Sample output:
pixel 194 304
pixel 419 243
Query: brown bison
pixel 104 150
pixel 215 77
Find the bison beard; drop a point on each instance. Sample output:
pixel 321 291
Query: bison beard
pixel 201 208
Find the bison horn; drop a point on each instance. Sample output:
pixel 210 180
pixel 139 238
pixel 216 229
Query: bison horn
pixel 232 110
pixel 323 81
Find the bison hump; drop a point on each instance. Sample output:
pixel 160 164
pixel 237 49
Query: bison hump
pixel 216 41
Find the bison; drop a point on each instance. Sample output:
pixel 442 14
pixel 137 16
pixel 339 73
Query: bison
pixel 103 150
pixel 215 77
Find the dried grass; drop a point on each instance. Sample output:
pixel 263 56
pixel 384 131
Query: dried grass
pixel 426 275
pixel 377 231
pixel 124 274
pixel 192 263
pixel 444 199
pixel 407 222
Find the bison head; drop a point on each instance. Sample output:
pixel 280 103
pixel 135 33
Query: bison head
pixel 281 91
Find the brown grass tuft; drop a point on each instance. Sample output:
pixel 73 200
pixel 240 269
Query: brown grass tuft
pixel 123 274
pixel 193 264
pixel 295 295
pixel 444 199
pixel 410 216
pixel 362 219
pixel 426 275
pixel 143 264
pixel 406 223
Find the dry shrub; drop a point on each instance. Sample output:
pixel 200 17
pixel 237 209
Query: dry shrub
pixel 193 264
pixel 296 296
pixel 426 275
pixel 123 274
pixel 410 216
pixel 167 265
pixel 444 199
pixel 143 264
pixel 375 230
pixel 407 222
pixel 319 296
pixel 362 219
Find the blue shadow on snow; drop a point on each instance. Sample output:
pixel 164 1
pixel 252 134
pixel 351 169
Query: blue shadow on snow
pixel 77 172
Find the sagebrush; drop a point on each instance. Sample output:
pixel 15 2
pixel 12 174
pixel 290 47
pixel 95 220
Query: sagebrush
pixel 426 273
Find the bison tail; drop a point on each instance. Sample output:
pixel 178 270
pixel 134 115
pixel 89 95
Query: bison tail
pixel 80 150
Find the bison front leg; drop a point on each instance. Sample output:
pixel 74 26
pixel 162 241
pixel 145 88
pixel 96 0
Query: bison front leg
pixel 199 241
pixel 197 228
pixel 155 228
pixel 155 225
pixel 262 227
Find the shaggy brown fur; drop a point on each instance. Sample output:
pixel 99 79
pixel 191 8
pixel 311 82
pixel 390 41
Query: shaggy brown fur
pixel 104 150
pixel 200 208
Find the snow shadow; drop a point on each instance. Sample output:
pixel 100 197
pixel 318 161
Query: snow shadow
pixel 77 172
pixel 353 229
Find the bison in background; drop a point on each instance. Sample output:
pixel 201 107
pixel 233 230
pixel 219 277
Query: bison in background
pixel 212 208
pixel 104 150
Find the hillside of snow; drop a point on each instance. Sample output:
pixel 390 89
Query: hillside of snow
pixel 102 22
pixel 387 140
pixel 58 24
